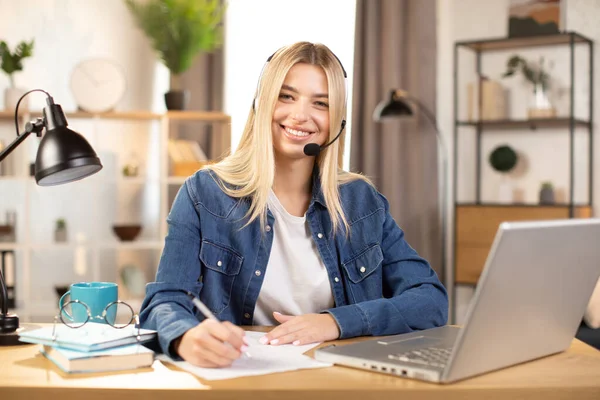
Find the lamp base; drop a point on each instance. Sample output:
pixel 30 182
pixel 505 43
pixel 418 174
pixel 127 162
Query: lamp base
pixel 12 338
pixel 8 323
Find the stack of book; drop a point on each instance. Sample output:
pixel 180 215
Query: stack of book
pixel 187 157
pixel 93 347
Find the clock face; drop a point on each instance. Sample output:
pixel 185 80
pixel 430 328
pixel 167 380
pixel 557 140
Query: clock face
pixel 97 85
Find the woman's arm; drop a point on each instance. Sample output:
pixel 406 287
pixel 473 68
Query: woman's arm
pixel 417 299
pixel 166 307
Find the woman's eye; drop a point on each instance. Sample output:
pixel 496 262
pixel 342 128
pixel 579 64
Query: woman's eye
pixel 284 96
pixel 322 104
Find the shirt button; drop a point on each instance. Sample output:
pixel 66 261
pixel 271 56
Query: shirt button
pixel 246 315
pixel 362 269
pixel 257 272
pixel 219 263
pixel 268 228
pixel 320 235
pixel 336 279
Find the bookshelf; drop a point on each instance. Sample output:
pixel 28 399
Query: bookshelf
pixel 93 205
pixel 476 221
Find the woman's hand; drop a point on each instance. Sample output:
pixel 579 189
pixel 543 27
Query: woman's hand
pixel 212 344
pixel 302 329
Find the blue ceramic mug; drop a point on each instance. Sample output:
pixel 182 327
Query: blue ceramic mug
pixel 96 295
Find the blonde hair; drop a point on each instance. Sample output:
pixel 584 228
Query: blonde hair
pixel 250 171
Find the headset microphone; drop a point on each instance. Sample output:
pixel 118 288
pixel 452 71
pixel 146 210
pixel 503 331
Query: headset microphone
pixel 313 149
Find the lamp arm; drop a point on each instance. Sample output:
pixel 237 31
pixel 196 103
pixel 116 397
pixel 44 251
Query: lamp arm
pixel 3 294
pixel 49 99
pixel 31 127
pixel 444 186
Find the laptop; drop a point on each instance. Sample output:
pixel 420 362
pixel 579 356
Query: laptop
pixel 529 302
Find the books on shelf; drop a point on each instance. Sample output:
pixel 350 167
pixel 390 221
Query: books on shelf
pixel 114 359
pixel 493 101
pixel 181 150
pixel 187 157
pixel 90 337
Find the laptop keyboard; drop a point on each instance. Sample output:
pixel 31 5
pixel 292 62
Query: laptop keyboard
pixel 433 356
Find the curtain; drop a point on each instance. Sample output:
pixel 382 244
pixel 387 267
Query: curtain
pixel 205 81
pixel 395 48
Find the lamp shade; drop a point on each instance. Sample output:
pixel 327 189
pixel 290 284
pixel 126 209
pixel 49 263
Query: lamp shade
pixel 395 106
pixel 64 156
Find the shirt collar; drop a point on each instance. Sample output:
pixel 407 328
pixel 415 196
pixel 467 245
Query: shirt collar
pixel 317 192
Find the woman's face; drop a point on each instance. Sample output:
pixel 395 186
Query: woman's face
pixel 301 114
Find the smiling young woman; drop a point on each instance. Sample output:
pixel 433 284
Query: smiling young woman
pixel 273 236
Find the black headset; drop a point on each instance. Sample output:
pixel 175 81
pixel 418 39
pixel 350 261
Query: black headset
pixel 313 149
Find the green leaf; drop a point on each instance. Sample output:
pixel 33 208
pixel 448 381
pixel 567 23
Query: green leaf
pixel 13 62
pixel 179 30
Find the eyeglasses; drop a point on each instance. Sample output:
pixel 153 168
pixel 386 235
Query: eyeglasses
pixel 116 314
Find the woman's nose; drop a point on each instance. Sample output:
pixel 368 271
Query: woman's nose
pixel 300 111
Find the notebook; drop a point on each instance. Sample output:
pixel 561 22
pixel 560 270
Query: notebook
pixel 90 337
pixel 115 359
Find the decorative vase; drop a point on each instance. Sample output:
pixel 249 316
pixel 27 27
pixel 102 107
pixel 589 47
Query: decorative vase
pixel 132 167
pixel 60 235
pixel 546 195
pixel 12 96
pixel 177 99
pixel 540 104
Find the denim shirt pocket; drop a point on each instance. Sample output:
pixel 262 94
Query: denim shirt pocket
pixel 221 266
pixel 364 274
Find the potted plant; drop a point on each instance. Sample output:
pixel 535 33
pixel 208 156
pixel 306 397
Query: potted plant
pixel 504 159
pixel 60 231
pixel 11 63
pixel 539 78
pixel 179 30
pixel 547 193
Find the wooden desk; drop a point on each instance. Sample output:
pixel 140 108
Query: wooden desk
pixel 25 374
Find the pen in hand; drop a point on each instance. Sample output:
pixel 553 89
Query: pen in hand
pixel 206 312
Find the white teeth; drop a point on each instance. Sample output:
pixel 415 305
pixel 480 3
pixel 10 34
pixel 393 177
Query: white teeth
pixel 296 133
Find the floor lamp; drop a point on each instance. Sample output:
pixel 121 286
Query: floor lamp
pixel 398 106
pixel 63 156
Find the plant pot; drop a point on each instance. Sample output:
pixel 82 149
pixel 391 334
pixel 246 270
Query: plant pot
pixel 177 99
pixel 540 104
pixel 60 235
pixel 12 96
pixel 547 196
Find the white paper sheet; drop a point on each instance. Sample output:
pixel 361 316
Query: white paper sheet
pixel 265 359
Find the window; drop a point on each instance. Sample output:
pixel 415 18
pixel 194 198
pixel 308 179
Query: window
pixel 256 29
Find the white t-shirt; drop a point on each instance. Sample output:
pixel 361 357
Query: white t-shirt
pixel 296 280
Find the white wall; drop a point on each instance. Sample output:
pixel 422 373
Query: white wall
pixel 257 28
pixel 68 31
pixel 544 154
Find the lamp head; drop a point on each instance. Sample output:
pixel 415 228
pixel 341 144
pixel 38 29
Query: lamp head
pixel 63 155
pixel 396 106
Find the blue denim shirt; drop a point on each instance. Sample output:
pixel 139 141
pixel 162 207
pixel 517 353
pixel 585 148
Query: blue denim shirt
pixel 380 285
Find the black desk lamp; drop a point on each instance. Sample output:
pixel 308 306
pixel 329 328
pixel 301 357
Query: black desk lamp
pixel 398 106
pixel 63 156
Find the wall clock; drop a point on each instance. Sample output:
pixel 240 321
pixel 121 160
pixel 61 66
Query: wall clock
pixel 98 85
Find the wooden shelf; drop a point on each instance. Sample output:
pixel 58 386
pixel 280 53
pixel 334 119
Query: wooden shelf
pixel 494 44
pixel 198 116
pixel 477 224
pixel 558 205
pixel 526 123
pixel 106 245
pixel 211 116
